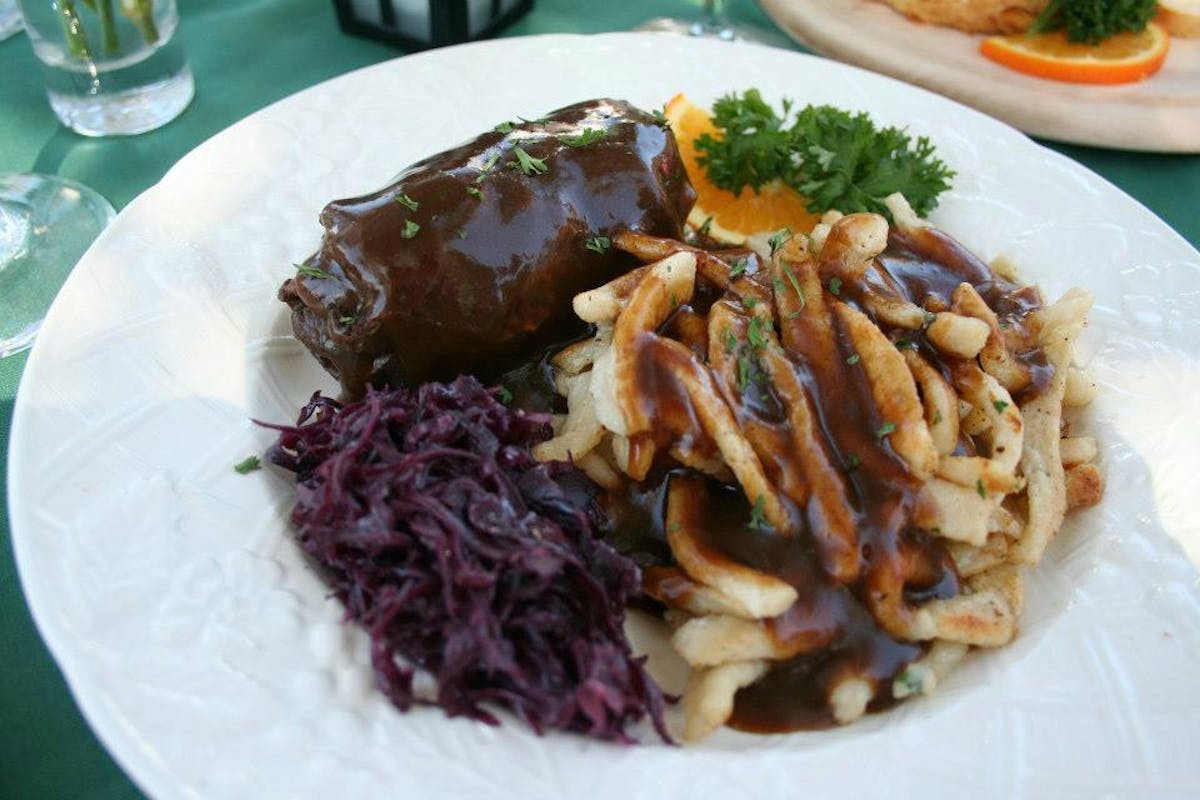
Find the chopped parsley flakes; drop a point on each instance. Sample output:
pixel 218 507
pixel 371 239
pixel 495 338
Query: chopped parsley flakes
pixel 247 465
pixel 527 163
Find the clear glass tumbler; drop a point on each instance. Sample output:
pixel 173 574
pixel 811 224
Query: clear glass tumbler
pixel 46 224
pixel 112 67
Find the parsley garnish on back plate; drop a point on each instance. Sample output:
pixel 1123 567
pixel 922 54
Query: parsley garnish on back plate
pixel 1094 20
pixel 835 158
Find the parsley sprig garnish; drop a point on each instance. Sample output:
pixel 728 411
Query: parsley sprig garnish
pixel 1091 21
pixel 599 244
pixel 838 160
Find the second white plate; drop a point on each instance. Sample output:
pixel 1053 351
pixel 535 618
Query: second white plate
pixel 1161 114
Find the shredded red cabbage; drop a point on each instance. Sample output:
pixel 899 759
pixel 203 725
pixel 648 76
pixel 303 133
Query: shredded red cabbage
pixel 462 555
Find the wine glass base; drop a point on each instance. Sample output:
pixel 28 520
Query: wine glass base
pixel 46 225
pixel 19 341
pixel 699 28
pixel 721 30
pixel 10 19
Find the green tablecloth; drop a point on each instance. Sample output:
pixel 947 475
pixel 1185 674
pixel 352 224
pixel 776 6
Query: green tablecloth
pixel 246 55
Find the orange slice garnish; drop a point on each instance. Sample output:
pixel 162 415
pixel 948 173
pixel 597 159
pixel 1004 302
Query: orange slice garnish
pixel 727 217
pixel 1123 58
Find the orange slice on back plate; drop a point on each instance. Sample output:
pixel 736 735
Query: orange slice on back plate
pixel 1123 58
pixel 731 218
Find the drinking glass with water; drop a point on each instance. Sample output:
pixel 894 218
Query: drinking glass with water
pixel 111 67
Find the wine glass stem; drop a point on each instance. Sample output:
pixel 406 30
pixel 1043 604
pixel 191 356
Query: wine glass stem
pixel 712 22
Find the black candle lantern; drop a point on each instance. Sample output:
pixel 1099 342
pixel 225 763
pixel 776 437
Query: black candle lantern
pixel 421 24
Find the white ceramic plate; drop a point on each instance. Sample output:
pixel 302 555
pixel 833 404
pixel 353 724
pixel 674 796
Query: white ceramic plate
pixel 1161 114
pixel 209 658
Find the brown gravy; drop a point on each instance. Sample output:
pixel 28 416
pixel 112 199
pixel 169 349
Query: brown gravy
pixel 900 567
pixel 468 260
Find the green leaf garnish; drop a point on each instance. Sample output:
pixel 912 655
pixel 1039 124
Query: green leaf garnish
pixel 1092 21
pixel 474 192
pixel 410 229
pixel 979 488
pixel 754 148
pixel 406 201
pixel 731 341
pixel 247 465
pixel 505 127
pixel 885 429
pixel 778 239
pixel 588 136
pixel 705 227
pixel 746 368
pixel 999 405
pixel 527 163
pixel 599 244
pixel 756 334
pixel 503 394
pixel 853 462
pixel 791 276
pixel 838 160
pixel 910 682
pixel 854 359
pixel 835 286
pixel 309 271
pixel 758 518
pixel 739 267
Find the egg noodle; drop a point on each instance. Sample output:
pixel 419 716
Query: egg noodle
pixel 888 439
